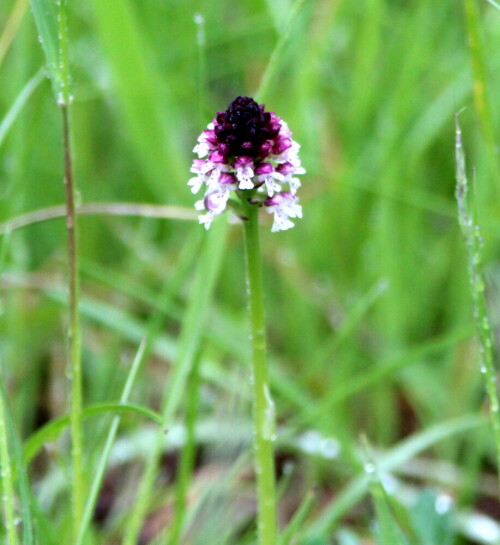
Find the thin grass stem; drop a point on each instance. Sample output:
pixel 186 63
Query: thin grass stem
pixel 473 242
pixel 74 333
pixel 7 479
pixel 100 209
pixel 263 406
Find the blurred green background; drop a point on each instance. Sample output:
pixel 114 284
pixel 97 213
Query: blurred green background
pixel 369 315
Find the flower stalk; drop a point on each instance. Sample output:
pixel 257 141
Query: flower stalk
pixel 247 160
pixel 263 406
pixel 74 334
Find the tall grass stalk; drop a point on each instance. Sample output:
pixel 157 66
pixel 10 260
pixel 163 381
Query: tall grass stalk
pixel 74 333
pixel 263 406
pixel 473 242
pixel 7 478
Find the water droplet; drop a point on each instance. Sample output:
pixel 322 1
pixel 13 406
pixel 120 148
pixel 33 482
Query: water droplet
pixel 330 448
pixel 269 430
pixel 309 441
pixel 200 35
pixel 443 504
pixel 369 468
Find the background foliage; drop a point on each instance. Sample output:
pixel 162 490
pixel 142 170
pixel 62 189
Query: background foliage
pixel 370 324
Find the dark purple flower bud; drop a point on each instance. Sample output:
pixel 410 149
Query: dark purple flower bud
pixel 264 168
pixel 242 161
pixel 226 178
pixel 286 168
pixel 244 127
pixel 217 157
pixel 281 145
pixel 274 200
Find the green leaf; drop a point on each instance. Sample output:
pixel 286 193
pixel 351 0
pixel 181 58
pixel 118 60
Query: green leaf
pixel 394 458
pixel 388 530
pixel 346 537
pixel 44 12
pixel 142 96
pixel 52 429
pixel 430 525
pixel 18 105
pixel 18 468
pixel 104 458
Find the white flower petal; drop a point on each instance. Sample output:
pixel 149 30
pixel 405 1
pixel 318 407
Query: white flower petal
pixel 196 183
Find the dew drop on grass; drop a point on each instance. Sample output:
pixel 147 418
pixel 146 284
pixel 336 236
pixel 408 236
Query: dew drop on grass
pixel 330 448
pixel 443 504
pixel 369 468
pixel 269 430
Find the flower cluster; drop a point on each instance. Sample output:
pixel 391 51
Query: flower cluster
pixel 247 152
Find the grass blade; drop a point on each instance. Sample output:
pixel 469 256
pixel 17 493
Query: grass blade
pixel 18 105
pixel 7 477
pixel 15 465
pixel 103 462
pixel 55 427
pixel 191 334
pixel 148 113
pixel 400 454
pixel 44 12
pixel 473 243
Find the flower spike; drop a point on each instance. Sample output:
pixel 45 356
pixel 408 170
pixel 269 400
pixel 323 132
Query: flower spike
pixel 250 152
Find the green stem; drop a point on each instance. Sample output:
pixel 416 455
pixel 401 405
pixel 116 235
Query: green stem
pixel 472 236
pixel 74 335
pixel 6 479
pixel 263 408
pixel 74 338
